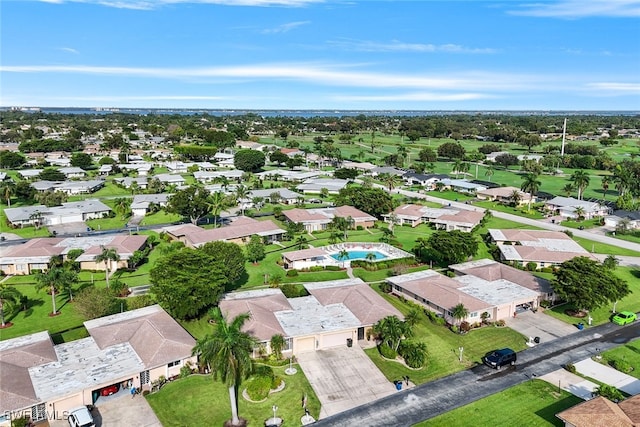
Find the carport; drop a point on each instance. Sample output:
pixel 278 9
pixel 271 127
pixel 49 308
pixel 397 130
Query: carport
pixel 343 378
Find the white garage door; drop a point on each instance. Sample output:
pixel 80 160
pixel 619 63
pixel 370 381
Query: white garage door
pixel 304 344
pixel 334 340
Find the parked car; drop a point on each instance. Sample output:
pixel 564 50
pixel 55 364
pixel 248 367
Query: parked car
pixel 80 417
pixel 108 391
pixel 624 317
pixel 498 358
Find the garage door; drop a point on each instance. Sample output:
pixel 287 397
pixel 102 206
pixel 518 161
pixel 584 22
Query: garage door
pixel 334 340
pixel 304 344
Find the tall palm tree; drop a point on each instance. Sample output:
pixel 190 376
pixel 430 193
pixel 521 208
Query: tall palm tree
pixel 10 298
pixel 241 193
pixel 568 189
pixel 391 330
pixel 107 255
pixel 489 172
pixel 579 210
pixel 580 179
pixel 459 312
pixel 343 255
pixel 464 167
pixel 389 180
pixel 457 165
pixel 515 197
pixel 606 181
pixel 121 206
pixel 530 185
pixel 277 344
pixel 402 152
pixel 7 190
pixel 217 200
pixel 228 352
pixel 55 279
pixel 370 256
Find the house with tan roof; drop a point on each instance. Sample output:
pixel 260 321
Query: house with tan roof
pixel 414 215
pixel 334 312
pixel 319 218
pixel 239 231
pixel 536 247
pixel 461 220
pixel 567 207
pixel 600 411
pixel 40 379
pixel 504 195
pixel 35 254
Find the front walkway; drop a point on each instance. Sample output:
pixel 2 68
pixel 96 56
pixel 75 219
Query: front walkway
pixel 541 325
pixel 608 375
pixel 343 378
pixel 572 383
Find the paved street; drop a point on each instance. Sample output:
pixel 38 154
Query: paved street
pixel 437 397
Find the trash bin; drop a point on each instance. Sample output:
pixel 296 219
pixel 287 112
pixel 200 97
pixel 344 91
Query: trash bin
pixel 536 340
pixel 398 385
pixel 349 342
pixel 580 326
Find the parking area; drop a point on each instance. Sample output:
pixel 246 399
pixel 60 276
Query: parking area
pixel 120 410
pixel 541 325
pixel 343 378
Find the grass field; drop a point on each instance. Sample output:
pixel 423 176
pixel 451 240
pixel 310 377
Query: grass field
pixel 534 403
pixel 199 400
pixel 629 353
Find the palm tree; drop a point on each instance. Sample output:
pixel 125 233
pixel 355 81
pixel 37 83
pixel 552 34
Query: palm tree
pixel 489 172
pixel 7 190
pixel 459 312
pixel 581 180
pixel 55 279
pixel 228 353
pixel 606 181
pixel 10 298
pixel 391 330
pixel 370 256
pixel 217 201
pixel 389 180
pixel 301 241
pixel 457 165
pixel 413 317
pixel 107 255
pixel 530 185
pixel 568 189
pixel 579 210
pixel 610 262
pixel 241 193
pixel 515 197
pixel 277 344
pixel 121 206
pixel 343 255
pixel 402 152
pixel 464 167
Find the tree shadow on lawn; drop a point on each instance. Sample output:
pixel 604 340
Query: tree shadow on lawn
pixel 635 273
pixel 548 413
pixel 27 308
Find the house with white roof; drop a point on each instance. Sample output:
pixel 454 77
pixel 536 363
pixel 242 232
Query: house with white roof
pixel 463 186
pixel 566 207
pixel 276 195
pixel 73 172
pixel 69 187
pixel 210 176
pixel 126 182
pixel 141 202
pixel 316 185
pixel 170 179
pixel 67 213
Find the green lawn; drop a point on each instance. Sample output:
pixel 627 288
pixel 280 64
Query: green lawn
pixel 603 314
pixel 630 353
pixel 199 400
pixel 521 211
pixel 534 403
pixel 442 345
pixel 603 248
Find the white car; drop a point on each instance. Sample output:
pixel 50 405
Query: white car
pixel 80 417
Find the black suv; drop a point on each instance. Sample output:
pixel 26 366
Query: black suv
pixel 498 358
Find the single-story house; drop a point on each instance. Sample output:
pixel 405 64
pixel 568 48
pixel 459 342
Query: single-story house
pixel 461 220
pixel 495 291
pixel 224 160
pixel 170 179
pixel 69 187
pixel 534 157
pixel 364 167
pixel 491 157
pixel 618 216
pixel 284 195
pixel 566 207
pixel 141 181
pixel 316 185
pixel 504 195
pixel 239 231
pixel 141 202
pixel 134 348
pixel 142 168
pixel 105 169
pixel 425 180
pixel 177 167
pixel 463 186
pixel 542 248
pixel 334 312
pixel 320 218
pixel 287 175
pixel 413 215
pixel 69 212
pixel 210 176
pixel 35 254
pixel 600 411
pixel 73 172
pixel 29 173
pixel 306 258
pixel 387 170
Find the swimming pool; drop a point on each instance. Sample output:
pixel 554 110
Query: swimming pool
pixel 359 255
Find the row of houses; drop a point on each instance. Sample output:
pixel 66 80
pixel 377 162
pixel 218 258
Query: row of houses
pixel 442 218
pixel 69 212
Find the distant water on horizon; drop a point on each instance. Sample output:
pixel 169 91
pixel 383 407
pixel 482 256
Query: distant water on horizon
pixel 312 113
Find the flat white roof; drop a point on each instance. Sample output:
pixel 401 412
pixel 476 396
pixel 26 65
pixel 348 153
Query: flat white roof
pixel 497 292
pixel 309 317
pixel 333 283
pixel 409 277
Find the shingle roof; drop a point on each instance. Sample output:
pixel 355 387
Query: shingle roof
pixel 597 412
pixel 261 305
pixel 234 231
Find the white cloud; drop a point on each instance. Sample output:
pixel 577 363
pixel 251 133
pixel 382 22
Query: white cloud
pixel 571 9
pixel 149 5
pixel 418 96
pixel 398 46
pixel 69 50
pixel 284 28
pixel 616 88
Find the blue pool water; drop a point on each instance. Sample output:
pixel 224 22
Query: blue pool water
pixel 358 255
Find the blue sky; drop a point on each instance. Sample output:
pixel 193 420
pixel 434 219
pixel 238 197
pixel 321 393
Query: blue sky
pixel 322 54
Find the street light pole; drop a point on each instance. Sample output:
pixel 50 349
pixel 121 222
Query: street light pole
pixel 275 408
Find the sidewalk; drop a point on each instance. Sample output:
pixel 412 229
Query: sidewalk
pixel 608 375
pixel 572 383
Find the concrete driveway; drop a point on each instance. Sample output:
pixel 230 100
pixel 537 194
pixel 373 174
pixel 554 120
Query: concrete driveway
pixel 572 383
pixel 121 411
pixel 343 378
pixel 541 325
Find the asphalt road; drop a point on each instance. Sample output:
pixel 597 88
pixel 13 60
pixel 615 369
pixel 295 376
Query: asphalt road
pixel 428 400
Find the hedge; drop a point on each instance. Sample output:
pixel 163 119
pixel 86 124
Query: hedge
pixel 381 265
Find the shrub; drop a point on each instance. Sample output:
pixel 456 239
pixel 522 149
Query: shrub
pixel 292 273
pixel 622 365
pixel 275 382
pixel 386 287
pixel 332 268
pixel 359 228
pixel 500 322
pixel 465 327
pixel 290 290
pixel 570 367
pixel 455 329
pixel 531 266
pixel 20 422
pixel 133 303
pixel 545 303
pixel 387 351
pixel 263 371
pixel 185 371
pixel 258 387
pixel 414 353
pixel 119 288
